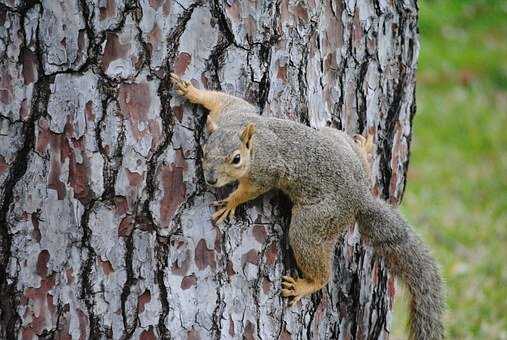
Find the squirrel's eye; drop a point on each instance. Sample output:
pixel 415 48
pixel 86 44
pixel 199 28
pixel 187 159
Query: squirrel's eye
pixel 236 159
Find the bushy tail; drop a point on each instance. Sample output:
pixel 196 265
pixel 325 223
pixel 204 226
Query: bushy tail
pixel 409 259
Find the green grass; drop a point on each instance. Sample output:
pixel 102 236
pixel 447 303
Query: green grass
pixel 456 196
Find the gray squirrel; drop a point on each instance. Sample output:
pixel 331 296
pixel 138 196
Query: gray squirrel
pixel 324 174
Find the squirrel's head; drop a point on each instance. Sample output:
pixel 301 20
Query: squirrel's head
pixel 227 155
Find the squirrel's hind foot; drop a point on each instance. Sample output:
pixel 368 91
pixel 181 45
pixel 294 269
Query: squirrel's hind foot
pixel 295 289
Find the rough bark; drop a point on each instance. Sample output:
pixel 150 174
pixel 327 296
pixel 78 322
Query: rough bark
pixel 105 227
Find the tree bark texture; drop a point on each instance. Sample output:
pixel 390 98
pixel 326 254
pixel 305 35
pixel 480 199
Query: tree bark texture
pixel 104 214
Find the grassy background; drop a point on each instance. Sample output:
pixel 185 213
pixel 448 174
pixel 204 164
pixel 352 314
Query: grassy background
pixel 457 182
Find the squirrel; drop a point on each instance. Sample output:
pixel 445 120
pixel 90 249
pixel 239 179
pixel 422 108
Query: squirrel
pixel 324 173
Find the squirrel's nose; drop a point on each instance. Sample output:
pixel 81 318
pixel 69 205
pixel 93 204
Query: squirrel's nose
pixel 211 178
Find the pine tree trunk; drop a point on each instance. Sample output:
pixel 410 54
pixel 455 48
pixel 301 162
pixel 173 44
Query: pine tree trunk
pixel 104 214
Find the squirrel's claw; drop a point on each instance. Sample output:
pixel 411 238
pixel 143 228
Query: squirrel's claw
pixel 295 299
pixel 292 289
pixel 219 203
pixel 222 214
pixel 181 85
pixel 288 292
pixel 292 295
pixel 289 287
pixel 289 279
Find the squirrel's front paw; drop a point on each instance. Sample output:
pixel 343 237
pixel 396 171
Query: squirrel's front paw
pixel 182 86
pixel 225 212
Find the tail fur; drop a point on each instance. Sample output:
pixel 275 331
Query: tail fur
pixel 409 259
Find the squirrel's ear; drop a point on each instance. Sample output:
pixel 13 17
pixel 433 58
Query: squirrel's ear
pixel 210 125
pixel 247 133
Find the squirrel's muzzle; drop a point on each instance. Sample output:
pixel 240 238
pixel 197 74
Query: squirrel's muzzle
pixel 210 177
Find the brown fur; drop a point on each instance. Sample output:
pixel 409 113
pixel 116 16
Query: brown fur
pixel 324 172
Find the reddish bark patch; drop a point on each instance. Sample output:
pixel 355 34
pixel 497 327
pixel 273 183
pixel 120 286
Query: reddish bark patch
pixel 83 324
pixel 109 11
pixel 42 263
pixel 30 65
pixel 193 335
pixel 282 73
pixel 248 333
pixel 154 38
pixel 251 257
pixel 173 186
pixel 178 112
pixel 182 61
pixel 81 45
pixel 135 101
pixel 36 231
pixel 134 178
pixel 266 285
pixel 218 240
pixel 3 165
pixel 375 273
pixel 182 263
pixel 24 111
pixel 28 334
pixel 39 300
pixel 63 334
pixel 285 335
pixel 320 313
pixel 69 274
pixel 121 205
pixel 272 253
pixel 126 226
pixel 59 151
pixel 155 4
pixel 156 133
pixel 166 8
pixel 113 50
pixel 5 88
pixel 142 300
pixel 250 26
pixel 259 232
pixel 43 135
pixel 54 181
pixel 78 179
pixel 90 116
pixel 229 268
pixel 147 335
pixel 204 257
pixel 106 266
pixel 302 13
pixel 233 11
pixel 330 61
pixel 231 327
pixel 357 30
pixel 188 281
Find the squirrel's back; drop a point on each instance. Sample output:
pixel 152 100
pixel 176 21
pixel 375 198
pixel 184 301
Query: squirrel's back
pixel 283 149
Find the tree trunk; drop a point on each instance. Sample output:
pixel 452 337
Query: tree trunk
pixel 104 214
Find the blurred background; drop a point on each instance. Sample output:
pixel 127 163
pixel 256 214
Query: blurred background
pixel 456 196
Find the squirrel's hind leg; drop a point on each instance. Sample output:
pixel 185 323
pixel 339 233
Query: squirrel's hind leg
pixel 312 252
